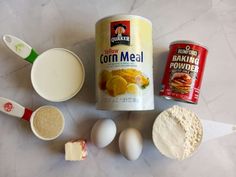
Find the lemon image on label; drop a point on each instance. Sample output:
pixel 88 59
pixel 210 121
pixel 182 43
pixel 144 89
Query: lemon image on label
pixel 116 85
pixel 132 89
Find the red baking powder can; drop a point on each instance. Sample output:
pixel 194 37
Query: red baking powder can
pixel 184 71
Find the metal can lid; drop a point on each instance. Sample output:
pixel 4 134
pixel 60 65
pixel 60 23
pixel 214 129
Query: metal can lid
pixel 179 99
pixel 188 42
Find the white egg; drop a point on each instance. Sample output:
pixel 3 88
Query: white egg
pixel 131 143
pixel 103 132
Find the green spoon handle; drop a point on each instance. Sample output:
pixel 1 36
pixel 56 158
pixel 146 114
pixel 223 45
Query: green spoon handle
pixel 20 48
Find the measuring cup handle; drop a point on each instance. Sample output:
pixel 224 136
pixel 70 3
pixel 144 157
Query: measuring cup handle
pixel 14 109
pixel 20 48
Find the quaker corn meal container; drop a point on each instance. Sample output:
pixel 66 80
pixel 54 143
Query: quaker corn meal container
pixel 124 63
pixel 184 71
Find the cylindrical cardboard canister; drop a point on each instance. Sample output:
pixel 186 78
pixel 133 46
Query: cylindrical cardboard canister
pixel 124 63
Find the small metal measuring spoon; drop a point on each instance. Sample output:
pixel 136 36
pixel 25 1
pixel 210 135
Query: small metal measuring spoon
pixel 14 109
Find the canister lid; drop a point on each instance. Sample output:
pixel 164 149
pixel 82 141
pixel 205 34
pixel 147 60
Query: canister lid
pixel 124 16
pixel 188 42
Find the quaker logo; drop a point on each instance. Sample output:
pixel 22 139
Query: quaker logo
pixel 120 33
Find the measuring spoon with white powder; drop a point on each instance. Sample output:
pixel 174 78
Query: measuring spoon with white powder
pixel 57 74
pixel 47 122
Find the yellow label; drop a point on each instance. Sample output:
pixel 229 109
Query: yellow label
pixel 124 60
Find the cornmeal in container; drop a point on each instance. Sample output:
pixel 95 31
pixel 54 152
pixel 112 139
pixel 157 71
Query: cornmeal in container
pixel 124 63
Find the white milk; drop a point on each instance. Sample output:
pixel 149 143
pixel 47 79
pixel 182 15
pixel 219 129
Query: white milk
pixel 57 75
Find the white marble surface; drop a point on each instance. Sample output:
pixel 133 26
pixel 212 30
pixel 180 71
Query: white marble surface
pixel 70 24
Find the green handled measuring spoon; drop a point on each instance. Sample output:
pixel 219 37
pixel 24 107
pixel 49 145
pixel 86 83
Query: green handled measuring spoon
pixel 20 48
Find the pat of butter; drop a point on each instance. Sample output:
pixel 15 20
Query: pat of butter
pixel 75 150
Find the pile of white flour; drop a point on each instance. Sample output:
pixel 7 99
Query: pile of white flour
pixel 177 133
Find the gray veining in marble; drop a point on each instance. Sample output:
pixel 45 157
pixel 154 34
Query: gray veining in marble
pixel 70 24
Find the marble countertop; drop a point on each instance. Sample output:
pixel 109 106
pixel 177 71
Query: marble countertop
pixel 70 24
